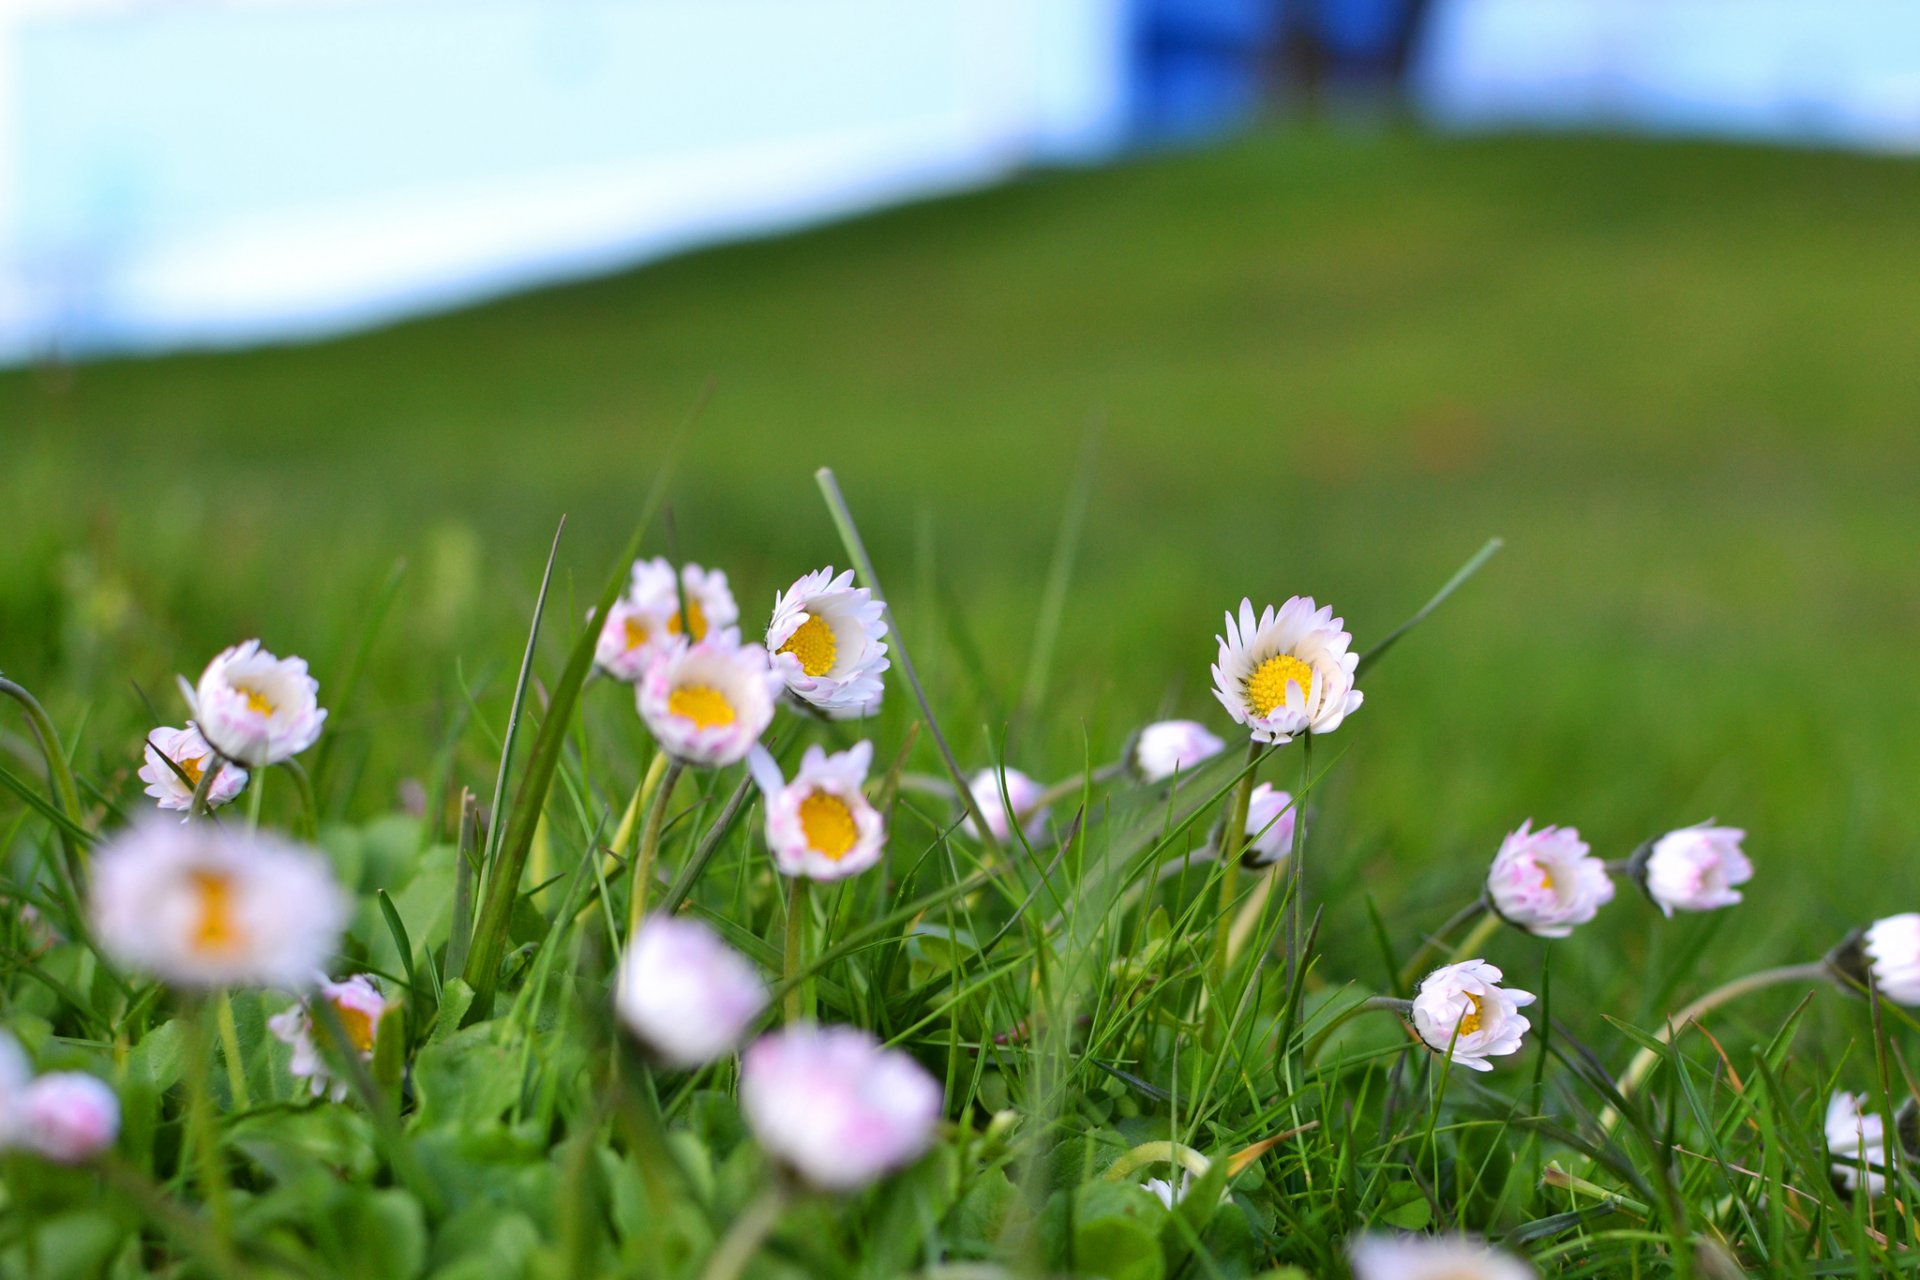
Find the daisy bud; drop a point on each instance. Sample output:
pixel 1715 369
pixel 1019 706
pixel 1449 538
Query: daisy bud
pixel 834 1107
pixel 196 905
pixel 1693 869
pixel 68 1117
pixel 707 703
pixel 828 641
pixel 1546 882
pixel 14 1074
pixel 1857 1144
pixel 1168 1193
pixel 1023 791
pixel 191 754
pixel 685 994
pixel 1462 1012
pixel 358 1004
pixel 1287 673
pixel 256 708
pixel 1173 746
pixel 821 825
pixel 1888 951
pixel 1270 820
pixel 1385 1257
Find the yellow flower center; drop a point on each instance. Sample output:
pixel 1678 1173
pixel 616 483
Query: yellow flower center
pixel 828 824
pixel 256 701
pixel 358 1026
pixel 812 643
pixel 696 620
pixel 1471 1023
pixel 636 633
pixel 703 704
pixel 216 932
pixel 1546 879
pixel 1267 687
pixel 195 767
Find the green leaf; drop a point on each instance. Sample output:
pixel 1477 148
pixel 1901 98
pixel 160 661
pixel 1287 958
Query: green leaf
pixel 469 1078
pixel 1407 1207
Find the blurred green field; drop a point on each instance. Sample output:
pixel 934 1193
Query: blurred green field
pixel 1676 378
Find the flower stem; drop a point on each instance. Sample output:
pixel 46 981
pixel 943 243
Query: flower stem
pixel 1233 846
pixel 1069 787
pixel 1372 1004
pixel 1476 938
pixel 1151 1153
pixel 200 1127
pixel 750 1231
pixel 1431 944
pixel 59 773
pixel 198 806
pixel 796 1001
pixel 309 807
pixel 650 847
pixel 230 1049
pixel 1297 864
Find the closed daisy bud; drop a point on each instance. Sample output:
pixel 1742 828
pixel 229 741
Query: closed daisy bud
pixel 821 824
pixel 358 1004
pixel 1857 1143
pixel 834 1107
pixel 256 708
pixel 1288 672
pixel 1693 869
pixel 684 993
pixel 707 703
pixel 191 753
pixel 1023 791
pixel 1385 1257
pixel 828 641
pixel 1546 882
pixel 68 1117
pixel 1270 819
pixel 1462 1012
pixel 14 1074
pixel 1168 747
pixel 199 906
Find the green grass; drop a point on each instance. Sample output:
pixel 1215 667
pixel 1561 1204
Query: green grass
pixel 1673 378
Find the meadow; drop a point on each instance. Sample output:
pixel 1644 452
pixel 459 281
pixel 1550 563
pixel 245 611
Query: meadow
pixel 1076 418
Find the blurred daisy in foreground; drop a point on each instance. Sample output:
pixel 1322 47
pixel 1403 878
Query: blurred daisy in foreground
pixel 68 1117
pixel 1025 794
pixel 256 708
pixel 192 754
pixel 685 994
pixel 834 1108
pixel 1547 881
pixel 1388 1257
pixel 1693 869
pixel 1462 1012
pixel 199 906
pixel 1167 747
pixel 1271 816
pixel 1857 1143
pixel 821 825
pixel 828 641
pixel 358 1004
pixel 707 703
pixel 1287 672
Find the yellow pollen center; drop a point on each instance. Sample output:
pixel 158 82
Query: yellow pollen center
pixel 1267 687
pixel 696 620
pixel 812 643
pixel 195 767
pixel 216 932
pixel 256 701
pixel 705 705
pixel 636 634
pixel 357 1025
pixel 828 824
pixel 1546 879
pixel 1471 1023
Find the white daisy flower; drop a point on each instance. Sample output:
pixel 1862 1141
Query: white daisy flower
pixel 821 825
pixel 1546 881
pixel 68 1117
pixel 828 641
pixel 710 606
pixel 707 703
pixel 836 1108
pixel 627 642
pixel 684 993
pixel 1167 747
pixel 1694 869
pixel 1168 1193
pixel 1288 672
pixel 200 906
pixel 358 1004
pixel 1892 946
pixel 1857 1143
pixel 1023 791
pixel 1271 816
pixel 191 752
pixel 256 708
pixel 1462 1012
pixel 1389 1257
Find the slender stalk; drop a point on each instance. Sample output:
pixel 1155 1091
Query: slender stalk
pixel 1372 1004
pixel 1233 846
pixel 1072 787
pixel 1488 926
pixel 1297 864
pixel 200 1128
pixel 1454 583
pixel 650 847
pixel 230 1049
pixel 309 807
pixel 690 872
pixel 1151 1153
pixel 257 786
pixel 750 1231
pixel 198 807
pixel 796 1001
pixel 59 772
pixel 1431 944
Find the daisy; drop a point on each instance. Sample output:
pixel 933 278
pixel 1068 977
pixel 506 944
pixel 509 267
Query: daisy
pixel 1857 1143
pixel 68 1117
pixel 256 708
pixel 1892 946
pixel 1387 1257
pixel 1546 881
pixel 358 1004
pixel 821 825
pixel 199 906
pixel 1168 747
pixel 1463 1013
pixel 627 641
pixel 192 754
pixel 1694 869
pixel 1025 794
pixel 1287 673
pixel 684 993
pixel 1271 816
pixel 828 641
pixel 708 702
pixel 834 1107
pixel 710 607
